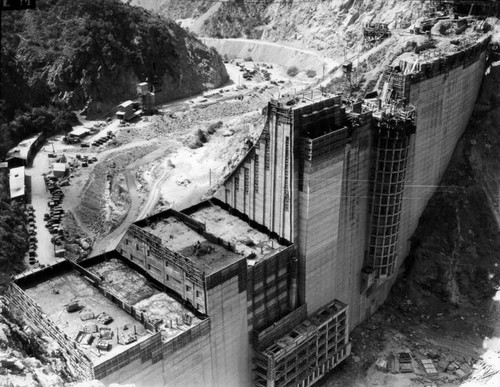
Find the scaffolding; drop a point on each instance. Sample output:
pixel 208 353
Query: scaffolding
pixel 305 354
pixel 374 34
pixel 392 142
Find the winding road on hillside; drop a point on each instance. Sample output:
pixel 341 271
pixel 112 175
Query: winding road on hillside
pixel 272 52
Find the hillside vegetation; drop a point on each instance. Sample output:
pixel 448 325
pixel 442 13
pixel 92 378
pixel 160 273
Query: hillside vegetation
pixel 13 234
pixel 91 54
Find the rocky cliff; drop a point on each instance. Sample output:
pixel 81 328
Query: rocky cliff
pixel 91 54
pixel 332 25
pixel 28 359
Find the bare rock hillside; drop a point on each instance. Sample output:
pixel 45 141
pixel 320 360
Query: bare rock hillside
pixel 332 25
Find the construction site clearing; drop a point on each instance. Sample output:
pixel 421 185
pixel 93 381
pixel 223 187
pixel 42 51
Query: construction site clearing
pixel 105 320
pixel 206 255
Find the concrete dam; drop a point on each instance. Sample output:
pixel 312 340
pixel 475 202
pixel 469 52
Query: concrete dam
pixel 261 284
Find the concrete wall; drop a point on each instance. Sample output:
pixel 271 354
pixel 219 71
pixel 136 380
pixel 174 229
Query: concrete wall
pixel 257 187
pixel 191 366
pixel 167 267
pixel 444 106
pixel 319 216
pixel 135 365
pixel 229 344
pixel 269 289
pixel 183 361
pixel 353 230
pixel 444 102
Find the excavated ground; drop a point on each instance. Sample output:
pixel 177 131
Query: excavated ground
pixel 172 159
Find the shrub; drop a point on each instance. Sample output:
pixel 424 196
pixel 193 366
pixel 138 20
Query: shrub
pixel 200 134
pixel 292 71
pixel 213 127
pixel 198 138
pixel 248 59
pixel 311 73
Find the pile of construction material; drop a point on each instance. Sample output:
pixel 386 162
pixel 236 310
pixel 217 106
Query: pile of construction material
pixel 401 362
pixel 430 366
pixel 92 334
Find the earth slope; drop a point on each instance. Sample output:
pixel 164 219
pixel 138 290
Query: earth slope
pixel 91 54
pixel 332 25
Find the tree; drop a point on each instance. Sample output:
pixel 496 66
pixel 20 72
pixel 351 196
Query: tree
pixel 292 71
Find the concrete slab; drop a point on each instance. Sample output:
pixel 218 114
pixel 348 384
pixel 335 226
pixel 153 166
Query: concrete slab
pixel 54 294
pixel 177 236
pixel 232 229
pixel 129 285
pixel 135 289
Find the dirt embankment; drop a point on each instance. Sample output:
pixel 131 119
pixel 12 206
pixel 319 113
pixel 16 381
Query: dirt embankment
pixel 105 195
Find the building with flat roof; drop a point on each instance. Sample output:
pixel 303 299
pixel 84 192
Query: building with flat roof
pixel 24 152
pixel 125 111
pixel 59 169
pixel 105 315
pixel 17 183
pixel 80 132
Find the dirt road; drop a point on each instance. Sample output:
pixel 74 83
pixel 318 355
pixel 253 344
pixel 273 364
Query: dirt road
pixel 39 199
pixel 271 52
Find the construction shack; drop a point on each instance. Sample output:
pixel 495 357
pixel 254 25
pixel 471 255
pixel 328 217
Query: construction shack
pixel 125 111
pixel 24 152
pixel 80 132
pixel 59 170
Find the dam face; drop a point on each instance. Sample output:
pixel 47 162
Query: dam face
pixel 261 284
pixel 347 186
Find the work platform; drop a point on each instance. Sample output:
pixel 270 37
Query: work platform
pixel 247 240
pixel 307 352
